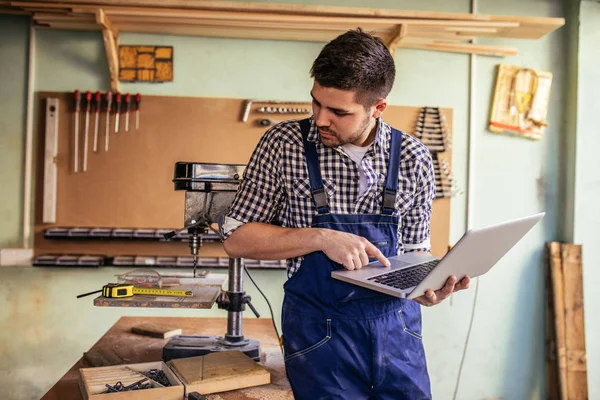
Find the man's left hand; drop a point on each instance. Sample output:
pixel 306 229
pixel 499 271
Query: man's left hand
pixel 431 297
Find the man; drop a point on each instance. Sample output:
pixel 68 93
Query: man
pixel 344 188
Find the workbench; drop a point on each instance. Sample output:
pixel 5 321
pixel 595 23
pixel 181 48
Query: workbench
pixel 134 348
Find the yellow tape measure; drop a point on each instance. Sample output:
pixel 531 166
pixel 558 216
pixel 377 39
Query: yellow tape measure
pixel 115 290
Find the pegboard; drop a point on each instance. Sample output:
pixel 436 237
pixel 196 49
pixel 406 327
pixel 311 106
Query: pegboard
pixel 130 186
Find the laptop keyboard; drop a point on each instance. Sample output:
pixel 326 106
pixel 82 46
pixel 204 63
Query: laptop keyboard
pixel 406 278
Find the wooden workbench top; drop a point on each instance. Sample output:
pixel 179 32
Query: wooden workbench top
pixel 134 348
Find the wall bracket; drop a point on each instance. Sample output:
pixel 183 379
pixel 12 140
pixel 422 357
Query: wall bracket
pixel 111 45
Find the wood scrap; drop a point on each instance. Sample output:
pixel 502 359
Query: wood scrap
pixel 576 359
pixel 220 371
pixel 156 330
pixel 565 267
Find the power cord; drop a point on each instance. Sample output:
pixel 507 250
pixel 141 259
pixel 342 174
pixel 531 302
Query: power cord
pixel 270 308
pixel 464 354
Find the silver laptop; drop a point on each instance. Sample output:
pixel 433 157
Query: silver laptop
pixel 411 274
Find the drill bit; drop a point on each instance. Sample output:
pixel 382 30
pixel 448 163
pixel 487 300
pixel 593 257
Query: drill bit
pixel 195 264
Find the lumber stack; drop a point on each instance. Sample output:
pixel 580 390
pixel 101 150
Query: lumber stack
pixel 566 364
pixel 439 31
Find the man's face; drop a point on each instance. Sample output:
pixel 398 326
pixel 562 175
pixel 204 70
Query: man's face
pixel 341 119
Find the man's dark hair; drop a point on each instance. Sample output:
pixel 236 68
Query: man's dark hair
pixel 356 61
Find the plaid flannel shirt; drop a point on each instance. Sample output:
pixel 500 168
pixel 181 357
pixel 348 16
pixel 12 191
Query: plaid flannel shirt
pixel 276 186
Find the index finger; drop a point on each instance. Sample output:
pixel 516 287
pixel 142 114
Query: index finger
pixel 373 251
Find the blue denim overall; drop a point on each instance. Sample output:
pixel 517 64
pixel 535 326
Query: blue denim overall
pixel 342 341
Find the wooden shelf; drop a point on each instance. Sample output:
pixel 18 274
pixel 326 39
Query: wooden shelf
pixel 438 31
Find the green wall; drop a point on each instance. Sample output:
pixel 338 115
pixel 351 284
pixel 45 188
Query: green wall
pixel 587 181
pixel 513 177
pixel 14 32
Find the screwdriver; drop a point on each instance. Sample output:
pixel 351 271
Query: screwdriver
pixel 138 100
pixel 117 111
pixel 97 101
pixel 88 101
pixel 76 142
pixel 127 107
pixel 108 104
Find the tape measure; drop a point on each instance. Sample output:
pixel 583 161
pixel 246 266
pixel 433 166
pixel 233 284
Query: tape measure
pixel 115 290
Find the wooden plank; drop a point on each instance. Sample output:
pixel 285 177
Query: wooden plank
pixel 510 26
pixel 552 388
pixel 556 273
pixel 576 365
pixel 155 330
pixel 258 7
pixel 466 48
pixel 219 372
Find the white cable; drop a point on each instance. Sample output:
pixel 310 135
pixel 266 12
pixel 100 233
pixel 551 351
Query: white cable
pixel 470 191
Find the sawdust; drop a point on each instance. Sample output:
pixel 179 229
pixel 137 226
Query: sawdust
pixel 267 393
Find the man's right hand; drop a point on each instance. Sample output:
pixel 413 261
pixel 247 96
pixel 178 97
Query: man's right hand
pixel 350 250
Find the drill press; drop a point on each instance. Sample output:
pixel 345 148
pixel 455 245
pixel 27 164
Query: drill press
pixel 210 189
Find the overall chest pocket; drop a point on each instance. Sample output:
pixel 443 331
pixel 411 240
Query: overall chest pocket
pixel 301 189
pixel 404 197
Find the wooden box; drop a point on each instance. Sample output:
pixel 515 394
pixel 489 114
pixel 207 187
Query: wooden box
pixel 211 373
pixel 92 381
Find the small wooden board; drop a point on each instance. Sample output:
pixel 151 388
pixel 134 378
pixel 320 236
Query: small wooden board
pixel 155 330
pixel 219 372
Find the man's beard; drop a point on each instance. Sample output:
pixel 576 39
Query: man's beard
pixel 352 138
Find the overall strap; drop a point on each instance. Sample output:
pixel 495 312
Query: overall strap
pixel 314 170
pixel 391 183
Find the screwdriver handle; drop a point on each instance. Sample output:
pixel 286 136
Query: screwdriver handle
pixel 138 100
pixel 127 101
pixel 88 99
pixel 77 96
pixel 108 97
pixel 97 98
pixel 118 103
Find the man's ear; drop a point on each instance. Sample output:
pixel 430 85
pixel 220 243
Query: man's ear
pixel 379 108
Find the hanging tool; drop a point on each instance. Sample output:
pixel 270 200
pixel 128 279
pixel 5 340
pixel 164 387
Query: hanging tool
pixel 108 97
pixel 117 290
pixel 97 102
pixel 138 100
pixel 267 122
pixel 127 107
pixel 76 141
pixel 117 111
pixel 88 103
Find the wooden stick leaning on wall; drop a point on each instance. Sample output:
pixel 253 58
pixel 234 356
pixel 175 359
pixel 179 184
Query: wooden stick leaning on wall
pixel 574 322
pixel 556 273
pixel 567 292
